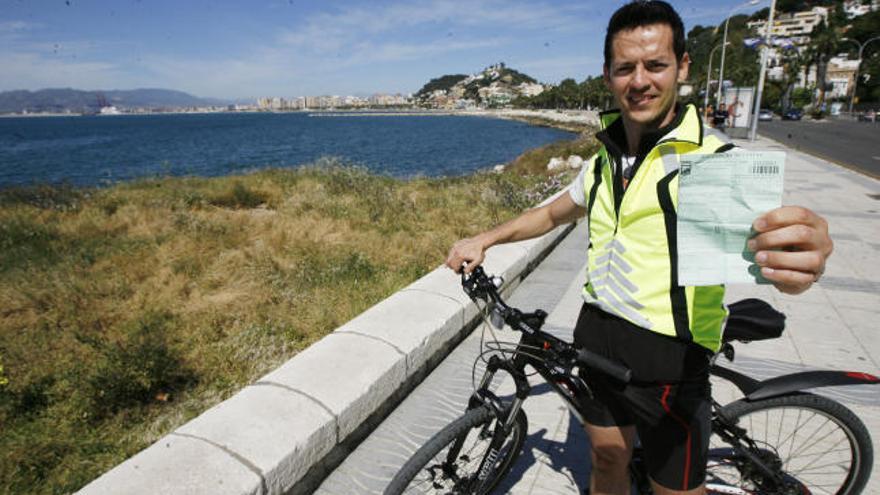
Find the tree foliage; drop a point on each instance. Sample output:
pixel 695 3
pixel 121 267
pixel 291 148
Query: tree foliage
pixel 442 83
pixel 569 94
pixel 740 63
pixel 864 28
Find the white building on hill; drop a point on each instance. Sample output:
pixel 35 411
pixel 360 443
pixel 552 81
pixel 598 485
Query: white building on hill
pixel 797 25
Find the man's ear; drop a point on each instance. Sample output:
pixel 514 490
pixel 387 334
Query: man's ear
pixel 606 76
pixel 684 66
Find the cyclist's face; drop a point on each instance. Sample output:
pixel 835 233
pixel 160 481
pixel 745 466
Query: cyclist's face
pixel 643 74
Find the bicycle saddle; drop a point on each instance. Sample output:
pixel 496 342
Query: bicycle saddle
pixel 753 319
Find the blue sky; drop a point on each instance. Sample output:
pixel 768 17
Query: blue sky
pixel 244 49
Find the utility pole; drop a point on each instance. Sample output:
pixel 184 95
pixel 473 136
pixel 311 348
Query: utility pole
pixel 753 132
pixel 856 80
pixel 724 47
pixel 709 77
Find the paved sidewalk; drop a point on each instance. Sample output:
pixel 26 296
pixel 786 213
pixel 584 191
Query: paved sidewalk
pixel 832 326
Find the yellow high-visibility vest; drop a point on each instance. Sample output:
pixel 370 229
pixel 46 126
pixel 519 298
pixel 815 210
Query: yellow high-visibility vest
pixel 632 255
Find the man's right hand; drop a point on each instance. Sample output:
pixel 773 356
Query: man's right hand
pixel 470 251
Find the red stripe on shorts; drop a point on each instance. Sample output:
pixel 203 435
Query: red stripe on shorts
pixel 687 429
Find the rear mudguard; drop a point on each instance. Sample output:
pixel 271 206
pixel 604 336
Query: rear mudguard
pixel 786 384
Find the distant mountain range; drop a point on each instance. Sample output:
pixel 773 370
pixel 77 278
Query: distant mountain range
pixel 74 100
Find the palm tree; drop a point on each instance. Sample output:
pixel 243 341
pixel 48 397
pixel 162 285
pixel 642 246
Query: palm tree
pixel 824 43
pixel 792 62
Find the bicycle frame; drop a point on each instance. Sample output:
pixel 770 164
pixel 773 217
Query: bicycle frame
pixel 554 360
pixel 535 350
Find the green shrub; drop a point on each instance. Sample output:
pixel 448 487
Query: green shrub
pixel 340 177
pixel 135 370
pixel 61 197
pixel 238 196
pixel 3 380
pixel 24 240
pixel 110 204
pixel 34 397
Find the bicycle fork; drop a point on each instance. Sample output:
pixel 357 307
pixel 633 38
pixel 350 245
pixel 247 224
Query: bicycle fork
pixel 506 416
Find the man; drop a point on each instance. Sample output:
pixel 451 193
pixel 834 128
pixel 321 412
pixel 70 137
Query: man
pixel 719 119
pixel 635 312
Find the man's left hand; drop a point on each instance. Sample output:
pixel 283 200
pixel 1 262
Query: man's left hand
pixel 791 247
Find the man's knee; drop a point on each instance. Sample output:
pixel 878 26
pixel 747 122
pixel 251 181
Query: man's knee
pixel 611 447
pixel 610 457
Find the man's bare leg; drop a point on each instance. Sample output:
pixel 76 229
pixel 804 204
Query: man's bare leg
pixel 612 449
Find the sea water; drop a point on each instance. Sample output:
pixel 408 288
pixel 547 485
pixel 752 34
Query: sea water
pixel 100 150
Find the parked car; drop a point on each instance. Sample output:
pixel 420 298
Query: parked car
pixel 792 114
pixel 765 115
pixel 869 116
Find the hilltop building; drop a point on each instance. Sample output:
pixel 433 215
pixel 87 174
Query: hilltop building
pixel 855 8
pixel 530 89
pixel 796 26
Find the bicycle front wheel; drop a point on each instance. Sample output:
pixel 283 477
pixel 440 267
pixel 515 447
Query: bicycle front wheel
pixel 449 461
pixel 816 444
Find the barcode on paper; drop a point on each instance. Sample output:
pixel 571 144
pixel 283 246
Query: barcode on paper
pixel 765 169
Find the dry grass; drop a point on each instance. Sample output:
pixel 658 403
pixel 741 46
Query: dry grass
pixel 129 310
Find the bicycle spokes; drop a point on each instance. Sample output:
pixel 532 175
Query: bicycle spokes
pixel 789 450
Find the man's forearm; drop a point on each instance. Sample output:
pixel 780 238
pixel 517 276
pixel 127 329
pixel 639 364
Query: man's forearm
pixel 533 223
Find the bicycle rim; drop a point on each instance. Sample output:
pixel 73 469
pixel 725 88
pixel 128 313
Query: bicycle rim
pixel 435 470
pixel 817 445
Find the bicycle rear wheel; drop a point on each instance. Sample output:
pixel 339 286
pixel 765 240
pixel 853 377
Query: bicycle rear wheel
pixel 818 445
pixel 449 461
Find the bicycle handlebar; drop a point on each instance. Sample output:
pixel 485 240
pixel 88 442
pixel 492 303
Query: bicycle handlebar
pixel 615 370
pixel 478 285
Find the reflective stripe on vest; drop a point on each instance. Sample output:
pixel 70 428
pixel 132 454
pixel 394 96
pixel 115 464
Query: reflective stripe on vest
pixel 632 271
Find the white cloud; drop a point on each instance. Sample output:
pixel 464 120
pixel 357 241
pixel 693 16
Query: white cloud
pixel 327 32
pixel 32 71
pixel 7 27
pixel 554 69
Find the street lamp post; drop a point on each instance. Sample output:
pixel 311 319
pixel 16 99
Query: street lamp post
pixel 709 76
pixel 753 132
pixel 724 45
pixel 856 80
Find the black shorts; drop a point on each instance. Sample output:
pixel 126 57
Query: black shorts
pixel 668 401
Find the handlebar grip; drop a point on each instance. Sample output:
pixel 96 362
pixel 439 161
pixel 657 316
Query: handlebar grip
pixel 615 370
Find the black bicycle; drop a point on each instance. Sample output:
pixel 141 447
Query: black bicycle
pixel 777 439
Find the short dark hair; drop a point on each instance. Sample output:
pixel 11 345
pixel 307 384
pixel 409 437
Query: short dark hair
pixel 640 13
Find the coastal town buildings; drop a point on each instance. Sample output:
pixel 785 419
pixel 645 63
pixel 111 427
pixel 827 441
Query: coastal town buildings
pixel 841 75
pixel 791 31
pixel 332 101
pixel 495 86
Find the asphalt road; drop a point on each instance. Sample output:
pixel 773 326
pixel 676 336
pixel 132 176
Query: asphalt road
pixel 855 145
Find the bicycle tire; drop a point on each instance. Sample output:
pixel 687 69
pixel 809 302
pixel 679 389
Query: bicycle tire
pixel 477 424
pixel 822 429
